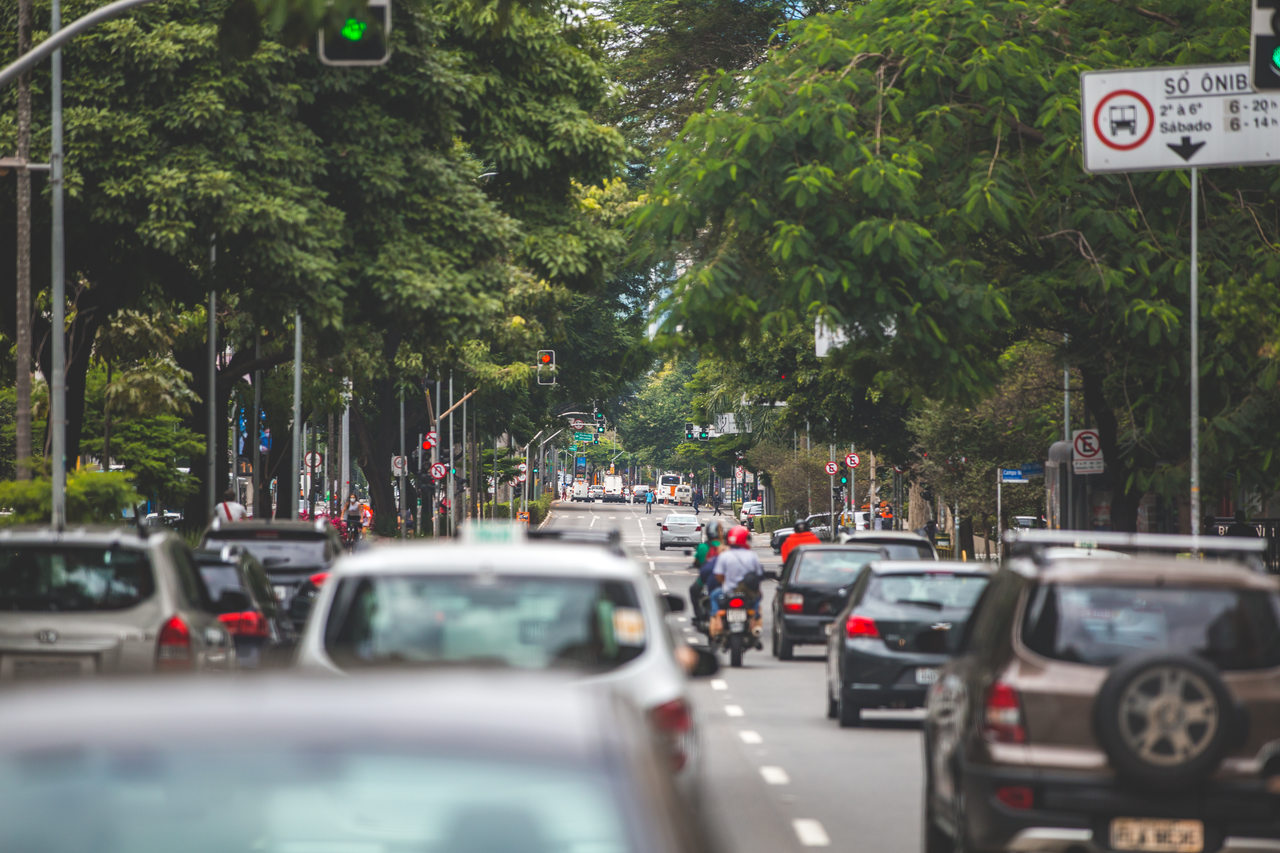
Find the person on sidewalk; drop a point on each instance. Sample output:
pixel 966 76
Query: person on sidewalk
pixel 229 509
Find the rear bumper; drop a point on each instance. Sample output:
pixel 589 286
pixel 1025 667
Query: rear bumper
pixel 875 677
pixel 803 628
pixel 1072 812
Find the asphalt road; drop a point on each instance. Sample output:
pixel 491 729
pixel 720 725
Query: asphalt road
pixel 780 776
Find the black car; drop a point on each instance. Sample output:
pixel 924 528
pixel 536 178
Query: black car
pixel 813 587
pixel 290 551
pixel 903 621
pixel 247 606
pixel 901 544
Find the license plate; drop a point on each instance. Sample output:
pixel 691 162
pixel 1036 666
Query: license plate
pixel 1157 836
pixel 48 667
pixel 282 593
pixel 926 675
pixel 736 616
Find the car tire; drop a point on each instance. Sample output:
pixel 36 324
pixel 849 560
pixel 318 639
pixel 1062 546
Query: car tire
pixel 832 709
pixel 773 641
pixel 935 840
pixel 785 648
pixel 849 714
pixel 1143 692
pixel 662 547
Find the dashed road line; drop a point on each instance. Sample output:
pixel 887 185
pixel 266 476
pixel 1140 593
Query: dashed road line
pixel 662 585
pixel 749 737
pixel 775 775
pixel 734 710
pixel 594 519
pixel 719 684
pixel 810 832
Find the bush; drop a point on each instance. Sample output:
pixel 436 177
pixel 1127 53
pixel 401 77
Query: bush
pixel 93 497
pixel 769 523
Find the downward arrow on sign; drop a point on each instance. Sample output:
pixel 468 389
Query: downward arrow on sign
pixel 1186 149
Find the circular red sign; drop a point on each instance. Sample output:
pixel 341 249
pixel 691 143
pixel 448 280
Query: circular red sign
pixel 832 468
pixel 1097 119
pixel 852 460
pixel 437 470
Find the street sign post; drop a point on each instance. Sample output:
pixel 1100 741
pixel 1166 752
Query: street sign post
pixel 1013 475
pixel 1086 452
pixel 832 468
pixel 1144 119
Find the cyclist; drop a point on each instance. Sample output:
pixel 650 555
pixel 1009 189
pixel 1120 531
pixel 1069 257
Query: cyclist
pixel 355 520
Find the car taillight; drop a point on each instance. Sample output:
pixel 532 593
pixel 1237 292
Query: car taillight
pixel 736 602
pixel 1003 723
pixel 249 623
pixel 698 528
pixel 318 578
pixel 674 722
pixel 1018 797
pixel 173 649
pixel 793 602
pixel 664 527
pixel 860 626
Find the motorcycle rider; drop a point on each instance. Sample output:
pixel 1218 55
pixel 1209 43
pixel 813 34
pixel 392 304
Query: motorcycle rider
pixel 802 536
pixel 739 571
pixel 704 557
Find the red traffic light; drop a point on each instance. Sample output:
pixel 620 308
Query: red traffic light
pixel 546 356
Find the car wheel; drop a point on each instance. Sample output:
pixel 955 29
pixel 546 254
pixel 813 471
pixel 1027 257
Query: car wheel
pixel 661 547
pixel 849 714
pixel 786 649
pixel 832 710
pixel 935 840
pixel 773 641
pixel 1165 721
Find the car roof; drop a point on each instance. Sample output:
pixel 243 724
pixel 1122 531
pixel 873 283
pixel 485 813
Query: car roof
pixel 887 536
pixel 1145 570
pixel 500 712
pixel 286 526
pixel 97 535
pixel 522 558
pixel 946 567
pixel 848 546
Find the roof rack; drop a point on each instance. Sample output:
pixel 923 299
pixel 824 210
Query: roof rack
pixel 1033 544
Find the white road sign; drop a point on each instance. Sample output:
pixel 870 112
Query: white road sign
pixel 522 467
pixel 438 471
pixel 852 460
pixel 521 478
pixel 577 423
pixel 431 439
pixel 1086 452
pixel 313 459
pixel 832 468
pixel 397 466
pixel 1140 119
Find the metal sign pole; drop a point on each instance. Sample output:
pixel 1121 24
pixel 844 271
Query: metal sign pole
pixel 1195 353
pixel 999 511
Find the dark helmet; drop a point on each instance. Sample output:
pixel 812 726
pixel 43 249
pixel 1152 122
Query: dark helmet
pixel 801 526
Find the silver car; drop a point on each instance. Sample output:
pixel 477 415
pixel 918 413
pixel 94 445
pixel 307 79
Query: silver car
pixel 531 605
pixel 679 531
pixel 85 601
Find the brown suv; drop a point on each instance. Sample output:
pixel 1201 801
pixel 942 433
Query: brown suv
pixel 1110 699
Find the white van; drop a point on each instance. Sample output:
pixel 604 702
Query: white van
pixel 581 491
pixel 683 494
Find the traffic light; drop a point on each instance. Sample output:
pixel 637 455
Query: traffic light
pixel 688 431
pixel 546 367
pixel 600 427
pixel 704 434
pixel 1264 49
pixel 844 479
pixel 599 416
pixel 361 38
pixel 785 375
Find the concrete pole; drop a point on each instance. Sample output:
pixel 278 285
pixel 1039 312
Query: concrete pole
pixel 404 464
pixel 295 456
pixel 255 430
pixel 211 421
pixel 1195 352
pixel 58 362
pixel 345 474
pixel 453 461
pixel 22 324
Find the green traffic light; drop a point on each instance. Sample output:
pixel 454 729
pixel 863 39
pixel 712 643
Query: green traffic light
pixel 353 29
pixel 1275 57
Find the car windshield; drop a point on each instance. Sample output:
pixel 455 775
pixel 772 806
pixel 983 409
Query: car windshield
pixel 321 799
pixel 275 549
pixel 523 622
pixel 1101 624
pixel 220 577
pixel 929 589
pixel 834 568
pixel 35 579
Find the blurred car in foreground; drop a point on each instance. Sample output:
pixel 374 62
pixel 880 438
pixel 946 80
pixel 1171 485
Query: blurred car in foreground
pixel 290 551
pixel 1111 704
pixel 901 544
pixel 527 605
pixel 812 588
pixel 87 601
pixel 376 764
pixel 246 605
pixel 902 622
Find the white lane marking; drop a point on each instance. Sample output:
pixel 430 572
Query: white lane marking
pixel 652 567
pixel 750 737
pixel 810 832
pixel 734 710
pixel 662 585
pixel 775 776
pixel 594 519
pixel 719 684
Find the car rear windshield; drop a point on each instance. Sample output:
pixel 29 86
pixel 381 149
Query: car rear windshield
pixel 906 550
pixel 219 578
pixel 833 568
pixel 929 589
pixel 322 798
pixel 73 578
pixel 522 622
pixel 1233 629
pixel 276 549
pixel 681 519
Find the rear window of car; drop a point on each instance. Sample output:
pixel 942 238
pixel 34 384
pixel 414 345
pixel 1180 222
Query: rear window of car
pixel 61 579
pixel 219 578
pixel 680 519
pixel 1234 629
pixel 524 622
pixel 836 568
pixel 929 589
pixel 275 549
pixel 905 550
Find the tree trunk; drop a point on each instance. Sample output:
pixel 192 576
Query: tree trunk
pixel 22 317
pixel 1124 501
pixel 375 452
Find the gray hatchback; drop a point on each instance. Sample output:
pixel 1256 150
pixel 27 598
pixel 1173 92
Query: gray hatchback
pixel 84 601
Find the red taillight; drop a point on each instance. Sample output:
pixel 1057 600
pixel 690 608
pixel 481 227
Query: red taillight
pixel 1016 797
pixel 793 602
pixel 736 602
pixel 1004 715
pixel 861 626
pixel 696 529
pixel 318 578
pixel 664 527
pixel 173 649
pixel 674 722
pixel 250 623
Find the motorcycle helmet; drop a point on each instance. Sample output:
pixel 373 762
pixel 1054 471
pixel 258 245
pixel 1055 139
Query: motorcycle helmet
pixel 715 530
pixel 738 537
pixel 801 526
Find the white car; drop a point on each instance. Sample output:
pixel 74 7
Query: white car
pixel 529 605
pixel 678 530
pixel 751 509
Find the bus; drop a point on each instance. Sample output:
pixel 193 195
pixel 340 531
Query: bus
pixel 667 487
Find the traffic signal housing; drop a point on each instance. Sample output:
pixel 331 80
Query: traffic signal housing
pixel 704 434
pixel 546 367
pixel 1264 47
pixel 600 427
pixel 362 38
pixel 688 431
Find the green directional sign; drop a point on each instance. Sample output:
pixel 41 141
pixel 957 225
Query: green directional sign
pixel 584 436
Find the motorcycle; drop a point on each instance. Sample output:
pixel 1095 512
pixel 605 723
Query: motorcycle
pixel 741 627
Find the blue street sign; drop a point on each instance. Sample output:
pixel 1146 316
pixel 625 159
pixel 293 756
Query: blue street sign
pixel 1033 469
pixel 1012 475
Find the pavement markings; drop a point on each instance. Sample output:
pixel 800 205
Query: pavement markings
pixel 750 737
pixel 734 710
pixel 652 567
pixel 662 585
pixel 719 684
pixel 594 519
pixel 775 776
pixel 810 832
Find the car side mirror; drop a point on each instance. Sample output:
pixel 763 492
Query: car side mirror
pixel 675 604
pixel 233 601
pixel 707 665
pixel 659 524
